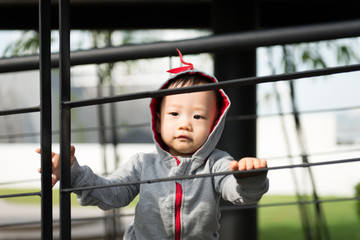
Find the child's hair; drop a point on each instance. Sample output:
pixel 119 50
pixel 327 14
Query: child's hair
pixel 193 79
pixel 188 79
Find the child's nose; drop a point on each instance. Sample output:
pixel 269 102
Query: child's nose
pixel 185 124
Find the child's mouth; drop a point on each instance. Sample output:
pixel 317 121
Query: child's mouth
pixel 183 137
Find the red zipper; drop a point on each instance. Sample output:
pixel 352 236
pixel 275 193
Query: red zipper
pixel 178 200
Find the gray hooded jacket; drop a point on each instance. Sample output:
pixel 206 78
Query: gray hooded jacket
pixel 183 209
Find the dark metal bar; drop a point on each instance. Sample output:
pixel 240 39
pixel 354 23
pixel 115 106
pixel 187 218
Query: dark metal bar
pixel 228 18
pixel 146 124
pixel 213 86
pixel 218 43
pixel 45 119
pixel 21 195
pixel 65 136
pixel 19 111
pixel 16 224
pixel 167 179
pixel 242 117
pixel 77 130
pixel 280 204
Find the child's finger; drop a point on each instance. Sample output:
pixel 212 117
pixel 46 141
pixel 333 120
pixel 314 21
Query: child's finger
pixel 72 150
pixel 242 164
pixel 233 165
pixel 256 163
pixel 246 163
pixel 263 163
pixel 55 179
pixel 260 163
pixel 250 163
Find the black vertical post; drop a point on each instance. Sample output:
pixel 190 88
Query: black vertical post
pixel 45 119
pixel 239 137
pixel 65 140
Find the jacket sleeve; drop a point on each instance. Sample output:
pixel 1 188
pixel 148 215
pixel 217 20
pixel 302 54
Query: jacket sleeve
pixel 112 196
pixel 246 190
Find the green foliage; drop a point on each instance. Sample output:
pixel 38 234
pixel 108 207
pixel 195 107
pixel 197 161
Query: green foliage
pixel 283 222
pixel 314 55
pixel 27 44
pixel 357 194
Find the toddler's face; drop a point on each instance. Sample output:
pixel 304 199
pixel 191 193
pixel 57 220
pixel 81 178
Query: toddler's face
pixel 186 120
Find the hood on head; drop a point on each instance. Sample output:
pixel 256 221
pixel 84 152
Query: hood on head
pixel 216 132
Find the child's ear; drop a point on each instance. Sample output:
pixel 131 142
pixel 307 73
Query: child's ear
pixel 158 123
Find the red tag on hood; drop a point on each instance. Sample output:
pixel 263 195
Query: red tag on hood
pixel 181 69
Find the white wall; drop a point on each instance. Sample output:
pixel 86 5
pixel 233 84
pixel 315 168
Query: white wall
pixel 320 142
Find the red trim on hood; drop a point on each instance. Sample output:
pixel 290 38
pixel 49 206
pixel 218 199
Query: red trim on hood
pixel 225 104
pixel 155 106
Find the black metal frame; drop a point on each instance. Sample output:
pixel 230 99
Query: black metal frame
pixel 45 122
pixel 65 136
pixel 213 44
pixel 45 118
pixel 220 43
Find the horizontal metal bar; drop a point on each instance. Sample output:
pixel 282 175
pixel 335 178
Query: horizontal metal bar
pixel 222 208
pixel 281 204
pixel 77 130
pixel 315 111
pixel 206 175
pixel 215 43
pixel 19 111
pixel 213 86
pixel 20 135
pixel 313 154
pixel 21 195
pixel 146 124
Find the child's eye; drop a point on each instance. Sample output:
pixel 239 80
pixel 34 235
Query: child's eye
pixel 174 114
pixel 198 117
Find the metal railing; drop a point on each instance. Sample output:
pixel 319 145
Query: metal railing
pixel 65 59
